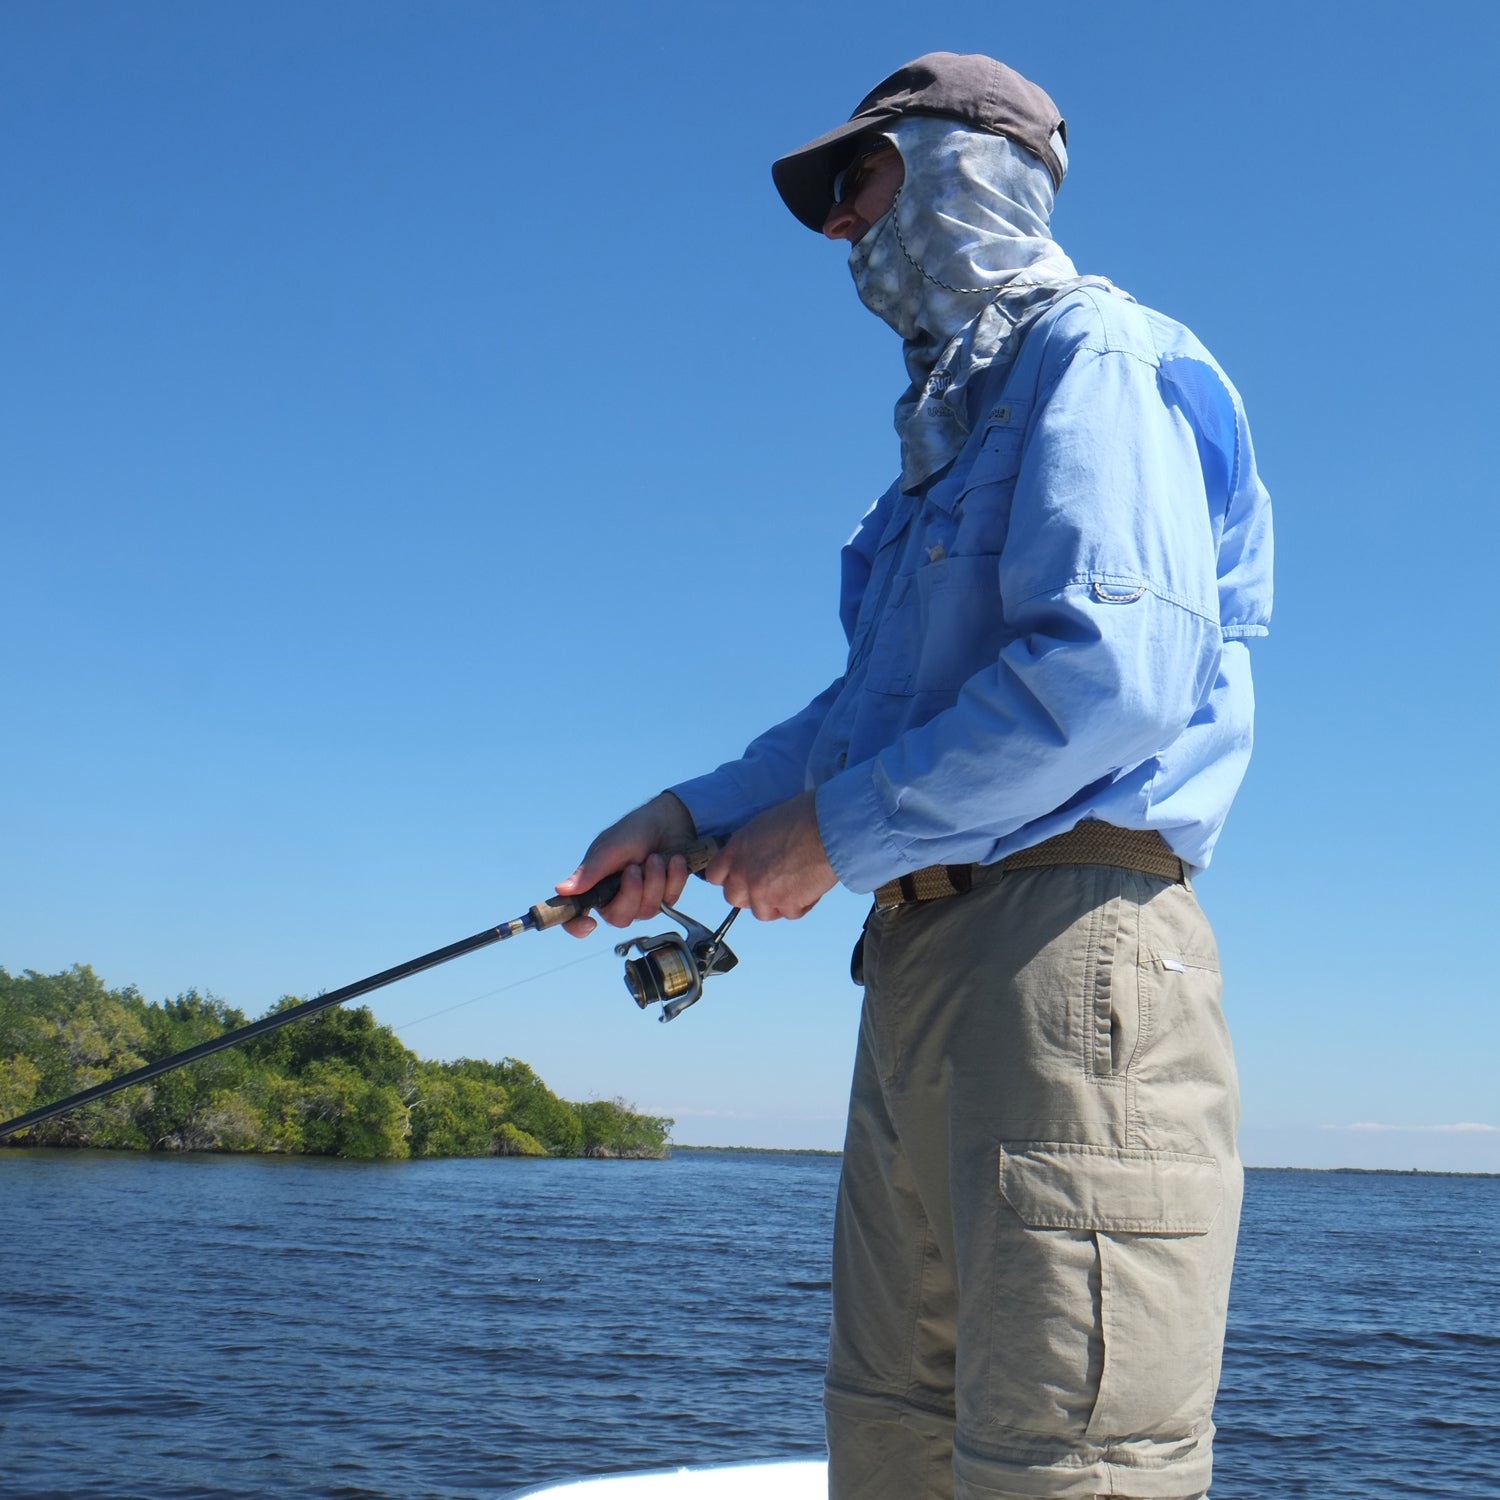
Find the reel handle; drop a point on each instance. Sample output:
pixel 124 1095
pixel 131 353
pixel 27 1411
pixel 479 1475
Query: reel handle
pixel 564 908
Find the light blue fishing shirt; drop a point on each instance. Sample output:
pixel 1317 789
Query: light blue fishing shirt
pixel 1051 628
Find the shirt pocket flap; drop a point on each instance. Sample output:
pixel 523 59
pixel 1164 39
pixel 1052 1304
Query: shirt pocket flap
pixel 1061 1185
pixel 990 459
pixel 998 458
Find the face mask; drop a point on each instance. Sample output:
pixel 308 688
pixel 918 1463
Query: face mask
pixel 963 258
pixel 876 264
pixel 892 288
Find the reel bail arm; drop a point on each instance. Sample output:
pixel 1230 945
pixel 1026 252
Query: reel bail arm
pixel 672 969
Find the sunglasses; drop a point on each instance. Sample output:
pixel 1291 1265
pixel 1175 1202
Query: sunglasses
pixel 848 183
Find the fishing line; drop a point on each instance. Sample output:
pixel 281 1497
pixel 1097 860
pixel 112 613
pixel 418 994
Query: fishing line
pixel 515 984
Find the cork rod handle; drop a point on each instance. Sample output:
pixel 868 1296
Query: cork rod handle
pixel 564 908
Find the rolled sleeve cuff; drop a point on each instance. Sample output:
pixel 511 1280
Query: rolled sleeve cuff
pixel 851 823
pixel 717 805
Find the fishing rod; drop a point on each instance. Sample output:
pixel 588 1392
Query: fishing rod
pixel 670 970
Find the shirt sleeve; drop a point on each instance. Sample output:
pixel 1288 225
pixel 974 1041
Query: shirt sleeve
pixel 1111 635
pixel 773 768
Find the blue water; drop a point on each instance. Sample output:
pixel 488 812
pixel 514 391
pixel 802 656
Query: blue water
pixel 180 1327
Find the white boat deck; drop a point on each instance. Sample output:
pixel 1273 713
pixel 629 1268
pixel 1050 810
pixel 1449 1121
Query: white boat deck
pixel 786 1481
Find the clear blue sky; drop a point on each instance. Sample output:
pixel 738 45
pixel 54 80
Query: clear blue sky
pixel 424 434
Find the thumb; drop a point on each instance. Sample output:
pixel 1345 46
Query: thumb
pixel 597 863
pixel 584 878
pixel 716 872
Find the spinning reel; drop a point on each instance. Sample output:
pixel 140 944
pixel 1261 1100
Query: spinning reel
pixel 671 968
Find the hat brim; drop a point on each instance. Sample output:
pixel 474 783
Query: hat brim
pixel 805 177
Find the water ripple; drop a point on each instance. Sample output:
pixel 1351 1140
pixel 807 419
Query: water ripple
pixel 234 1327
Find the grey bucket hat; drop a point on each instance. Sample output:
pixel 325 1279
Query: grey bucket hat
pixel 964 86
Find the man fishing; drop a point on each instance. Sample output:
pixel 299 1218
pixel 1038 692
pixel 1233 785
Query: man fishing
pixel 1031 749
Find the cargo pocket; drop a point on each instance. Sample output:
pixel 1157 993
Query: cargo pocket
pixel 1159 1279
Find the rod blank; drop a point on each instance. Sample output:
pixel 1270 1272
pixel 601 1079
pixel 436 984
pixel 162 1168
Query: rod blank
pixel 544 914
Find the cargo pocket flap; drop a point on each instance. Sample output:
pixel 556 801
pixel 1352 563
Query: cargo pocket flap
pixel 1059 1185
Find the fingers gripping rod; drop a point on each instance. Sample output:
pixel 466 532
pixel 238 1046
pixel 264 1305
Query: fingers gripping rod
pixel 544 914
pixel 564 908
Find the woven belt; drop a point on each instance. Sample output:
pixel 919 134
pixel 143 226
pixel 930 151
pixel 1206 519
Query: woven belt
pixel 1087 843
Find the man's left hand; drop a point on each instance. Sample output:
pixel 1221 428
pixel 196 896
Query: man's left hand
pixel 775 864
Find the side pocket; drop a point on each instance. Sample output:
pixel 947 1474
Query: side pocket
pixel 1161 1277
pixel 1113 998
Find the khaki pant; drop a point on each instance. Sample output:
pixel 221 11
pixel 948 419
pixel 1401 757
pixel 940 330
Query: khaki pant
pixel 1039 1199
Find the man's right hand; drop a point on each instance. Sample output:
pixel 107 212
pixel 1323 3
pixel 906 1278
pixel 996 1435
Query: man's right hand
pixel 637 847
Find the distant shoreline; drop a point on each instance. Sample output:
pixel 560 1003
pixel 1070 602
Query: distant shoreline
pixel 675 1147
pixel 672 1149
pixel 1377 1171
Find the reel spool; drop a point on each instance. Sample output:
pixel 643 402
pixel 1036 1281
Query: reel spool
pixel 671 969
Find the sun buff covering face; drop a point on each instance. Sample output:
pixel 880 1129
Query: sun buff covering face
pixel 960 266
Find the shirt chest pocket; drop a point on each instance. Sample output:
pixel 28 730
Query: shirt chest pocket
pixel 943 623
pixel 944 619
pixel 981 514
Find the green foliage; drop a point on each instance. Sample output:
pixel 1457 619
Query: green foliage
pixel 537 1111
pixel 612 1128
pixel 18 1080
pixel 455 1114
pixel 232 1122
pixel 345 1114
pixel 349 1036
pixel 74 1033
pixel 335 1084
pixel 512 1142
pixel 175 1025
